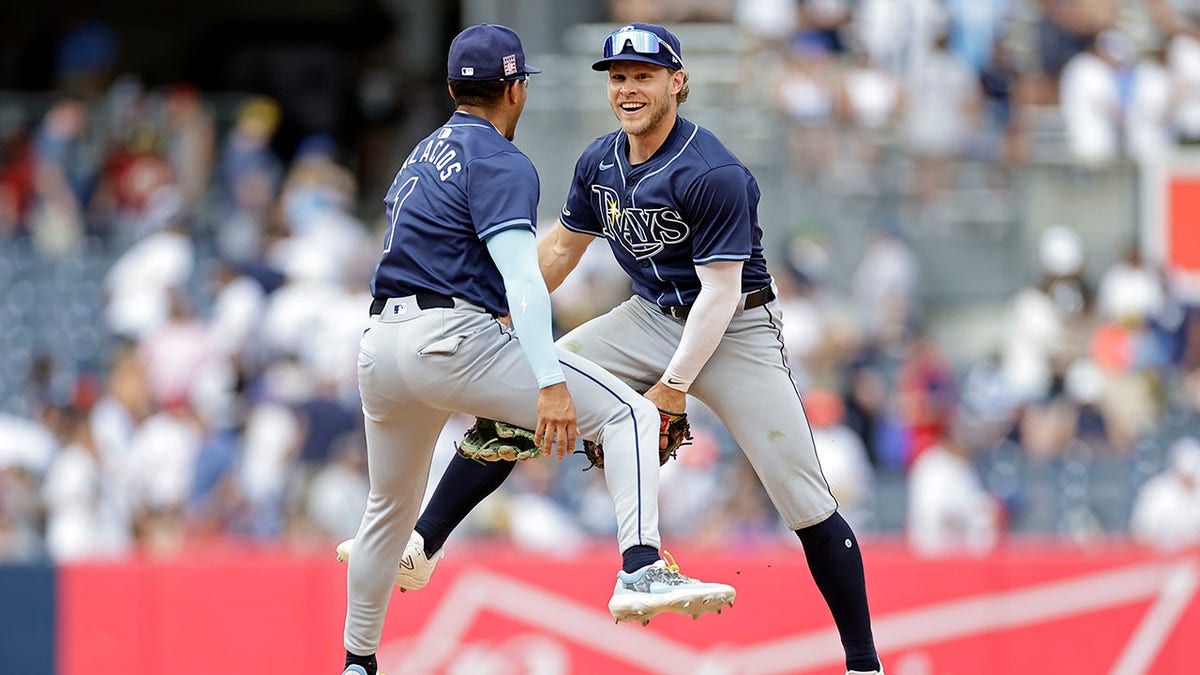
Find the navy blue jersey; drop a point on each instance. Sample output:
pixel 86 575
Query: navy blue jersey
pixel 690 204
pixel 464 183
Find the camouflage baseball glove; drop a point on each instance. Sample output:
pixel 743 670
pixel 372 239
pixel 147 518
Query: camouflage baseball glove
pixel 492 441
pixel 672 426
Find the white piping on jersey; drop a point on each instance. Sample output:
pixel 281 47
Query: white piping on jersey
pixel 617 161
pixel 514 221
pixel 621 168
pixel 678 296
pixel 633 201
pixel 695 128
pixel 730 258
pixel 576 229
pixel 455 126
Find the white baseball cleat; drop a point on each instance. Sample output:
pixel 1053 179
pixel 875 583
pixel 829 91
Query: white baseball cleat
pixel 414 569
pixel 658 588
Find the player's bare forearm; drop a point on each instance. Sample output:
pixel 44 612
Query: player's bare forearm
pixel 672 402
pixel 667 398
pixel 559 253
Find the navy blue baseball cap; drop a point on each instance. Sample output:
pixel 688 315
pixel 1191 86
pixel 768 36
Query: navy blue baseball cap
pixel 487 52
pixel 645 42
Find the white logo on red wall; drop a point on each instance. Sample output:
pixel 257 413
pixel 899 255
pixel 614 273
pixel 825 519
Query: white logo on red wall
pixel 551 633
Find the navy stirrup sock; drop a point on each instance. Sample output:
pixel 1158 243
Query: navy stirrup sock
pixel 636 557
pixel 837 568
pixel 367 662
pixel 465 484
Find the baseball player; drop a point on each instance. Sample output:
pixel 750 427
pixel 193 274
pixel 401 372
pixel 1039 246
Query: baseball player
pixel 459 251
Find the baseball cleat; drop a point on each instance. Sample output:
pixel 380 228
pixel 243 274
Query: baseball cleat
pixel 414 569
pixel 658 588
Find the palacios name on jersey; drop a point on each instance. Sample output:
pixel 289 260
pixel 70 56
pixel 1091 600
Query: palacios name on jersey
pixel 643 232
pixel 439 152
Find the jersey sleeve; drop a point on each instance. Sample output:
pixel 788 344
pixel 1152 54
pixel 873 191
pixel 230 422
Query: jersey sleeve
pixel 718 207
pixel 503 192
pixel 577 214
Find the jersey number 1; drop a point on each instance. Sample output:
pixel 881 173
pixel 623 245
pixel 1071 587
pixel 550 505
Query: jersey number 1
pixel 401 195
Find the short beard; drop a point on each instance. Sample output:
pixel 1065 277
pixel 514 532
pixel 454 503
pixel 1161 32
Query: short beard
pixel 660 109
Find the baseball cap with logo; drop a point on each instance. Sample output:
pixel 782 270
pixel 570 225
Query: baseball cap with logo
pixel 487 52
pixel 645 42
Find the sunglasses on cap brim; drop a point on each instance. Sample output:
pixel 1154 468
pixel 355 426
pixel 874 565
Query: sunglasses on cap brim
pixel 642 41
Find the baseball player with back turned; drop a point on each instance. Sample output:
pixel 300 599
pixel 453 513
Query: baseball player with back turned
pixel 460 251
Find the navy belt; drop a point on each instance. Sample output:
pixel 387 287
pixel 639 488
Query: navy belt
pixel 424 301
pixel 753 299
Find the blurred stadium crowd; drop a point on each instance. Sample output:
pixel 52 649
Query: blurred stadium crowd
pixel 180 305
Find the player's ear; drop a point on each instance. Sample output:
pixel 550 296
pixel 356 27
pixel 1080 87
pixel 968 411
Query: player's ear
pixel 677 80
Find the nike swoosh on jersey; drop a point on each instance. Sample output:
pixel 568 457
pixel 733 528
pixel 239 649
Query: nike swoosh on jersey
pixel 671 380
pixel 606 167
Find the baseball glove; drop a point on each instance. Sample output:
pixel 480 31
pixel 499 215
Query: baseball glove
pixel 493 441
pixel 672 426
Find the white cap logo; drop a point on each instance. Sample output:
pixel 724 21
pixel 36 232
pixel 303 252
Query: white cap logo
pixel 468 71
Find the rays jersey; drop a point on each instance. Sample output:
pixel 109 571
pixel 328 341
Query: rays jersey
pixel 692 203
pixel 462 184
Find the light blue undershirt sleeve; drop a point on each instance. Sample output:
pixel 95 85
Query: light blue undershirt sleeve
pixel 515 254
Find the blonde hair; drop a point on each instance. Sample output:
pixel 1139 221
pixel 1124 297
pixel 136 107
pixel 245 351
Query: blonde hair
pixel 683 91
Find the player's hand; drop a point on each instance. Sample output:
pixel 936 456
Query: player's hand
pixel 667 398
pixel 556 420
pixel 506 320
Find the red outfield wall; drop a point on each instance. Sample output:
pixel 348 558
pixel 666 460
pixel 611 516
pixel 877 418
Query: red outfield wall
pixel 493 610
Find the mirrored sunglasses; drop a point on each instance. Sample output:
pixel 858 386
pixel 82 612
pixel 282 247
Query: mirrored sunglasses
pixel 642 41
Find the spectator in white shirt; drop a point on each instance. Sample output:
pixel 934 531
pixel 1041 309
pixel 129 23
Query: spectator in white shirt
pixel 1131 291
pixel 949 511
pixel 843 456
pixel 1148 119
pixel 1166 512
pixel 85 519
pixel 338 493
pixel 1090 100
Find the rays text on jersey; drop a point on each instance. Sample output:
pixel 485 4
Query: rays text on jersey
pixel 642 231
